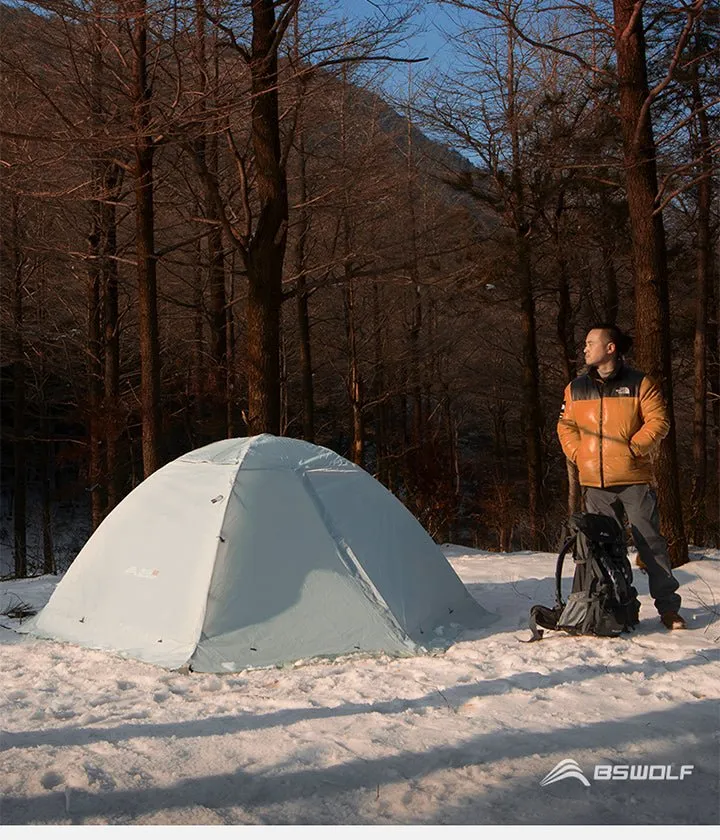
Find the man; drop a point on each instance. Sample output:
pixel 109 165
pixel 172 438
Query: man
pixel 612 418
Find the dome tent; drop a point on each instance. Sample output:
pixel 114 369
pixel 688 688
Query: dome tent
pixel 258 551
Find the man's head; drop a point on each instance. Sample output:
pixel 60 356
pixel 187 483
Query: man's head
pixel 604 344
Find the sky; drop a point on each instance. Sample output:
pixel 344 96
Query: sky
pixel 430 37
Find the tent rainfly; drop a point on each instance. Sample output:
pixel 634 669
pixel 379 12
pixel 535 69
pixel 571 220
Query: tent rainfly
pixel 258 551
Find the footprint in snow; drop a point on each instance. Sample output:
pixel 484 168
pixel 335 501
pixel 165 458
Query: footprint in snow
pixel 87 719
pixel 16 695
pixel 64 714
pixel 51 780
pixel 98 776
pixel 140 775
pixel 102 700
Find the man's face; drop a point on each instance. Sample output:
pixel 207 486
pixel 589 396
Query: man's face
pixel 598 348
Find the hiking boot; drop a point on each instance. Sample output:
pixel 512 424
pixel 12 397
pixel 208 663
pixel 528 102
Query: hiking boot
pixel 673 620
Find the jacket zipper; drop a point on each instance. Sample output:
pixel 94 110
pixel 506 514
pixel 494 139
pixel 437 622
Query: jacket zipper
pixel 602 476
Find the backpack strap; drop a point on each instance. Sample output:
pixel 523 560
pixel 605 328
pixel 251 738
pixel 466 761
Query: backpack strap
pixel 559 567
pixel 547 617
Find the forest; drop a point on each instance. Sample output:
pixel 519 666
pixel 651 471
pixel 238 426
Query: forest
pixel 227 217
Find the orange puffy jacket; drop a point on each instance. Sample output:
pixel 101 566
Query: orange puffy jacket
pixel 609 427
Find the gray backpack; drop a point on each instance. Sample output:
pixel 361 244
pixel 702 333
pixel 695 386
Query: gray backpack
pixel 603 600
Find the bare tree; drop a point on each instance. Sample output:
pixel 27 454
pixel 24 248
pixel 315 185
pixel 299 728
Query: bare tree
pixel 144 145
pixel 652 305
pixel 496 137
pixel 704 261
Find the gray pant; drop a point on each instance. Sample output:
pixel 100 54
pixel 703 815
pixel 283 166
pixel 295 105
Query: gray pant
pixel 639 503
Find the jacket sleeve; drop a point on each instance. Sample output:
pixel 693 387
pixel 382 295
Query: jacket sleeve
pixel 567 428
pixel 655 419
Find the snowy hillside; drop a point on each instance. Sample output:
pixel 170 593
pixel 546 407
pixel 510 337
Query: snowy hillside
pixel 464 737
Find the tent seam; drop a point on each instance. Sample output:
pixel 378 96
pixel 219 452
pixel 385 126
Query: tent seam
pixel 217 551
pixel 348 559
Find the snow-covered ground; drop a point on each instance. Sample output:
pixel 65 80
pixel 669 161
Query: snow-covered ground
pixel 463 737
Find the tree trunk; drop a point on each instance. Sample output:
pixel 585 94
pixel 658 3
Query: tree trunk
pixel 402 378
pixel 354 378
pixel 94 348
pixel 713 364
pixel 698 510
pixel 502 509
pixel 306 372
pixel 612 302
pixel 218 309
pixel 652 308
pixel 379 390
pixel 231 354
pixel 266 250
pixel 96 430
pixel 47 450
pixel 231 348
pixel 713 337
pixel 284 399
pixel 208 154
pixel 144 148
pixel 198 345
pixel 355 383
pixel 417 425
pixel 113 420
pixel 263 340
pixel 416 302
pixel 19 430
pixel 565 325
pixel 566 338
pixel 532 411
pixel 46 476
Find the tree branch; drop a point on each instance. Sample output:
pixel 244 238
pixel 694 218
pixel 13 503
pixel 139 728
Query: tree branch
pixel 702 177
pixel 242 178
pixel 632 23
pixel 692 15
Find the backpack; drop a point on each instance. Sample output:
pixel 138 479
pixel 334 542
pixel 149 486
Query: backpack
pixel 603 601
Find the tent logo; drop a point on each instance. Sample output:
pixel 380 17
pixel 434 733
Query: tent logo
pixel 142 573
pixel 568 768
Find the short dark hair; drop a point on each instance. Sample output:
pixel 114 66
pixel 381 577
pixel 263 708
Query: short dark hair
pixel 622 341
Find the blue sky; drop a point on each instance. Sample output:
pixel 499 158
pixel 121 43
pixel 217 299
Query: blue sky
pixel 428 39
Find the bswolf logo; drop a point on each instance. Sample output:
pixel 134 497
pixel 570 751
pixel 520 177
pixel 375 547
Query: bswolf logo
pixel 568 768
pixel 641 772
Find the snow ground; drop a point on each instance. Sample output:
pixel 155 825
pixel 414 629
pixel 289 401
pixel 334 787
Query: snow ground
pixel 460 738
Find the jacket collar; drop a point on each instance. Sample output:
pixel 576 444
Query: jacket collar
pixel 595 376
